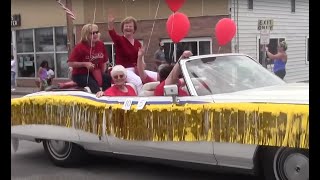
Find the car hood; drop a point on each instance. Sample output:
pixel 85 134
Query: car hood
pixel 292 93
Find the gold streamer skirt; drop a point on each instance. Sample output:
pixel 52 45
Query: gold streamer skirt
pixel 246 123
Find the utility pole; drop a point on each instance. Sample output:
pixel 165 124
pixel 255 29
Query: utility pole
pixel 70 42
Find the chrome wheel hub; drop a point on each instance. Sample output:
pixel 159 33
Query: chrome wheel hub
pixel 296 167
pixel 59 149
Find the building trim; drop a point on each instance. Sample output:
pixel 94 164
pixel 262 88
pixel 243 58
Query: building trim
pixel 307 49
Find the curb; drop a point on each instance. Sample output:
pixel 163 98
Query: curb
pixel 17 92
pixel 20 93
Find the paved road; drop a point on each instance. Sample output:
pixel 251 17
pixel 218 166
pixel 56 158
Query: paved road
pixel 30 162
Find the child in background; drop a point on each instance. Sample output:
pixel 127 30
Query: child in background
pixel 43 75
pixel 50 74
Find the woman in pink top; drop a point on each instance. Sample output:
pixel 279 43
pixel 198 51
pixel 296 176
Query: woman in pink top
pixel 127 48
pixel 43 76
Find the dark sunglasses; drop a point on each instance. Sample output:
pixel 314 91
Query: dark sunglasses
pixel 118 76
pixel 94 32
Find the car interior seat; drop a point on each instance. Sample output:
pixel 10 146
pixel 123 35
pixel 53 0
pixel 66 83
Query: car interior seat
pixel 148 88
pixel 133 86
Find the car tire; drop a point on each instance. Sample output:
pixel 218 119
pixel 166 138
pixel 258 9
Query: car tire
pixel 284 163
pixel 63 153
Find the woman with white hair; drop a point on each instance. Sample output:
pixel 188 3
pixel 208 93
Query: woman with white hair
pixel 88 60
pixel 280 59
pixel 120 88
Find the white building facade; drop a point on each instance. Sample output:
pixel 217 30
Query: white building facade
pixel 290 23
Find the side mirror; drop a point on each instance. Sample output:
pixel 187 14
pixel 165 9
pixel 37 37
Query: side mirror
pixel 171 90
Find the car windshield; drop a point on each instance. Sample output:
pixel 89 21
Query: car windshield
pixel 226 74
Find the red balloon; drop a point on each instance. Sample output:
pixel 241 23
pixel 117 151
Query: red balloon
pixel 175 5
pixel 178 26
pixel 225 31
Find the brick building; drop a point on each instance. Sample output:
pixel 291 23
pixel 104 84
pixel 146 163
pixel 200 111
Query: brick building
pixel 39 33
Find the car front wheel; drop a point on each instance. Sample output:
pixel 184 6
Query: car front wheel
pixel 285 163
pixel 63 153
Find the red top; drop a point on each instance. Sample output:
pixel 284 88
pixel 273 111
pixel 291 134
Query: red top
pixel 114 91
pixel 159 91
pixel 81 53
pixel 126 53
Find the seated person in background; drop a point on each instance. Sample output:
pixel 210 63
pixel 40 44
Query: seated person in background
pixel 119 77
pixel 145 78
pixel 172 78
pixel 159 55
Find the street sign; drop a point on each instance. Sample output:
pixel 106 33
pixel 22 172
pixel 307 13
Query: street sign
pixel 264 36
pixel 265 24
pixel 15 20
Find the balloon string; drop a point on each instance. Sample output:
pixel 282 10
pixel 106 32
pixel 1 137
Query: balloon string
pixel 91 43
pixel 155 16
pixel 171 32
pixel 219 49
pixel 94 19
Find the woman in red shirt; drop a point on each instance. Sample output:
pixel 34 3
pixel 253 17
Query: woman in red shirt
pixel 127 48
pixel 88 60
pixel 119 76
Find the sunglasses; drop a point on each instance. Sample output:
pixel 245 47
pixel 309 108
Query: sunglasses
pixel 121 76
pixel 94 32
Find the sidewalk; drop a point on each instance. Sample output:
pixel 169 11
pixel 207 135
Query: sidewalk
pixel 24 90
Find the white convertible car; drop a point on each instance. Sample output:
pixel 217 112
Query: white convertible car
pixel 239 116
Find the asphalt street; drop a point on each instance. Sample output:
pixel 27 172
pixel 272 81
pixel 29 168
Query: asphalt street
pixel 31 163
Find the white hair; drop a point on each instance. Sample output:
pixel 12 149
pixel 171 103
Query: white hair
pixel 118 68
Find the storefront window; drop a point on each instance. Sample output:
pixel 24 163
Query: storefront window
pixel 62 65
pixel 26 65
pixel 190 46
pixel 50 45
pixel 168 52
pixel 24 41
pixel 44 39
pixel 111 53
pixel 198 46
pixel 61 38
pixel 204 47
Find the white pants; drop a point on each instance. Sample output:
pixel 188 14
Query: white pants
pixel 133 78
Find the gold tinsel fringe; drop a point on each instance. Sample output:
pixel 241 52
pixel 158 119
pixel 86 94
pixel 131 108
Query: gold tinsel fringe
pixel 246 123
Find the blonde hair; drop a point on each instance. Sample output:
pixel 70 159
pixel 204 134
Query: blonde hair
pixel 85 31
pixel 129 20
pixel 118 68
pixel 284 45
